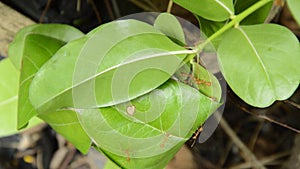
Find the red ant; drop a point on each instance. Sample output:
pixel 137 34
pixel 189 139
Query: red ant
pixel 196 80
pixel 196 134
pixel 127 154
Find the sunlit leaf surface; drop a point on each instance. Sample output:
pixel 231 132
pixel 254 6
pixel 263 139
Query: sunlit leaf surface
pixel 113 64
pixel 149 127
pixel 9 81
pixel 215 10
pixel 261 63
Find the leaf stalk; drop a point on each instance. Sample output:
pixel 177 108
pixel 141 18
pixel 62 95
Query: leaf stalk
pixel 235 20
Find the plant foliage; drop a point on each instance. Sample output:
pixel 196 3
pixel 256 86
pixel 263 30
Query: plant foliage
pixel 134 91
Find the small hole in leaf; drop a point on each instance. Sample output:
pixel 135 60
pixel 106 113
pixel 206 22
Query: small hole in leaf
pixel 130 110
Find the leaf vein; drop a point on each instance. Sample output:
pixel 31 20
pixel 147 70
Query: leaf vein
pixel 225 7
pixel 258 58
pixel 9 100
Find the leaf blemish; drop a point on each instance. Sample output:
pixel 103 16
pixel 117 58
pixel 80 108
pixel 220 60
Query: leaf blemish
pixel 22 62
pixel 196 134
pixel 196 80
pixel 130 110
pixel 127 154
pixel 167 135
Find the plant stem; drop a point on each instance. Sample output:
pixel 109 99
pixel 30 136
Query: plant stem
pixel 246 153
pixel 170 5
pixel 234 22
pixel 141 5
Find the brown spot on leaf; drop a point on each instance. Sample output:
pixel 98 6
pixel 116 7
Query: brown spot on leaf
pixel 167 135
pixel 130 110
pixel 127 155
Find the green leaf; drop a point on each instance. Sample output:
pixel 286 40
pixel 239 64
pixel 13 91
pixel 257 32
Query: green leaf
pixel 215 10
pixel 169 25
pixel 208 28
pixel 260 63
pixel 66 123
pixel 159 161
pixel 206 82
pixel 294 6
pixel 150 128
pixel 61 32
pixel 201 79
pixel 110 165
pixel 259 16
pixel 112 64
pixel 37 50
pixel 9 81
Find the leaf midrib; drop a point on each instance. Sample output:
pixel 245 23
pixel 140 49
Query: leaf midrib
pixel 118 65
pixel 144 123
pixel 90 78
pixel 258 58
pixel 114 67
pixel 9 100
pixel 225 7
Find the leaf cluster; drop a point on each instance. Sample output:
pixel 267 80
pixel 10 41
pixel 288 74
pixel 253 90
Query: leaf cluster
pixel 101 86
pixel 133 90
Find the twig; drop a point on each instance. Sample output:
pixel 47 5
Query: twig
pixel 227 150
pixel 170 5
pixel 80 163
pixel 276 8
pixel 95 10
pixel 270 120
pixel 45 11
pixel 292 103
pixel 29 152
pixel 142 5
pixel 116 8
pixel 150 3
pixel 68 158
pixel 78 5
pixel 266 160
pixel 39 159
pixel 246 153
pixel 255 135
pixel 207 164
pixel 109 10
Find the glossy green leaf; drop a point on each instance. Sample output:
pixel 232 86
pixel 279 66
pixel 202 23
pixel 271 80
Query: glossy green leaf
pixel 259 16
pixel 61 32
pixel 37 50
pixel 208 28
pixel 34 45
pixel 169 25
pixel 66 123
pixel 159 161
pixel 260 63
pixel 110 165
pixel 201 79
pixel 206 82
pixel 215 10
pixel 294 6
pixel 9 81
pixel 112 64
pixel 141 132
